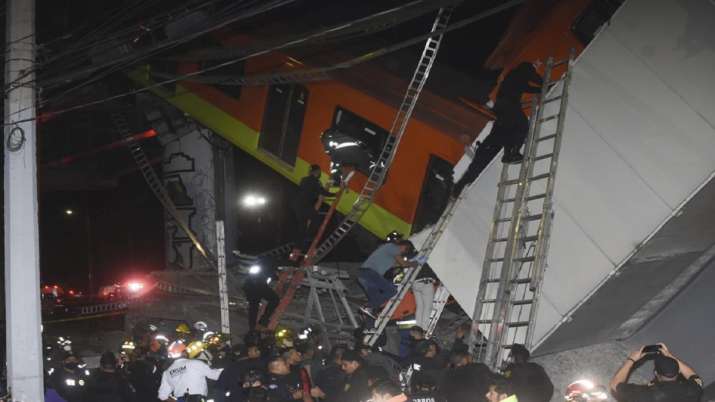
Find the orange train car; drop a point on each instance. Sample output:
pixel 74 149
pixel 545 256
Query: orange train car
pixel 280 125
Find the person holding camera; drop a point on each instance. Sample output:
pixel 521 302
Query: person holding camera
pixel 674 380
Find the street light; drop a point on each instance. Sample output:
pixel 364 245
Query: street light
pixel 69 212
pixel 253 201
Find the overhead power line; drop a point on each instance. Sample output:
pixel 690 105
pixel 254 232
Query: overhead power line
pixel 363 58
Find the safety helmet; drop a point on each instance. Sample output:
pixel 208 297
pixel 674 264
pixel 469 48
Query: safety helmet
pixel 213 339
pixel 183 328
pixel 195 348
pixel 585 391
pixel 161 338
pixel 176 349
pixel 128 346
pixel 284 337
pixel 394 236
pixel 201 326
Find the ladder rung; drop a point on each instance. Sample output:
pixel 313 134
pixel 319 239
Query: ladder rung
pixel 517 324
pixel 555 98
pixel 539 177
pixel 545 156
pixel 524 259
pixel 534 217
pixel 548 118
pixel 546 137
pixel 522 302
pixel 531 198
pixel 484 321
pixel 518 281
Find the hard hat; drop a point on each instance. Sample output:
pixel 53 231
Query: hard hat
pixel 394 236
pixel 585 391
pixel 128 346
pixel 176 349
pixel 195 348
pixel 183 328
pixel 162 339
pixel 284 337
pixel 201 326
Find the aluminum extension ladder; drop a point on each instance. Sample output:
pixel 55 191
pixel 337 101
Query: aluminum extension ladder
pixel 389 150
pixel 441 295
pixel 156 186
pixel 515 257
pixel 377 174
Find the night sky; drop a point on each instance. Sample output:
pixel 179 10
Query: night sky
pixel 124 233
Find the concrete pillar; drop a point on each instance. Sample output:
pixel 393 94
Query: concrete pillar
pixel 22 262
pixel 189 176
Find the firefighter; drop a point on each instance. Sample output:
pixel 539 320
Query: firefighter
pixel 511 126
pixel 257 287
pixel 108 384
pixel 70 380
pixel 303 207
pixel 185 379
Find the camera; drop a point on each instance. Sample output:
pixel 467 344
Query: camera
pixel 651 349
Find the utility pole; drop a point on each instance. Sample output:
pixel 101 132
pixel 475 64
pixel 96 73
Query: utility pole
pixel 22 262
pixel 222 280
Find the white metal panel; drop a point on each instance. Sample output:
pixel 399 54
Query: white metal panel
pixel 675 40
pixel 659 135
pixel 638 141
pixel 607 199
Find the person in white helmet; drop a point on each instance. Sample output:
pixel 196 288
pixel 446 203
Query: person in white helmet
pixel 185 380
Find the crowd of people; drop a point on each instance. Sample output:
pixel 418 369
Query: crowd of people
pixel 198 365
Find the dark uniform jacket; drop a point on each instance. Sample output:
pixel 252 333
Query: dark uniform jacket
pixel 530 382
pixel 108 387
pixel 682 390
pixel 461 384
pixel 356 387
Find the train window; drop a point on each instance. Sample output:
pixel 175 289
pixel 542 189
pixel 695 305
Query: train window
pixel 593 17
pixel 233 70
pixel 363 131
pixel 283 121
pixel 434 196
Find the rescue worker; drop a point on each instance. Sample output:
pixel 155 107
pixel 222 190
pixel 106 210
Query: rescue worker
pixel 357 388
pixel 387 391
pixel 145 374
pixel 424 387
pixel 376 358
pixel 500 390
pixel 106 384
pixel 371 274
pixel 257 287
pixel 511 126
pixel 465 379
pixel 185 379
pixel 303 207
pixel 330 381
pixel 282 385
pixel 237 379
pixel 70 380
pixel 529 380
pixel 674 379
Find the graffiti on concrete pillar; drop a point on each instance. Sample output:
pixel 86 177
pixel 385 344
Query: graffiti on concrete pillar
pixel 188 177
